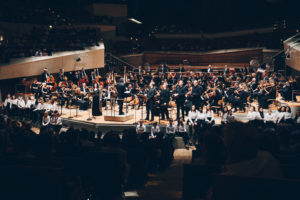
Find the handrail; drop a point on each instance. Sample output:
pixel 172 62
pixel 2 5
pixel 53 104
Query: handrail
pixel 120 60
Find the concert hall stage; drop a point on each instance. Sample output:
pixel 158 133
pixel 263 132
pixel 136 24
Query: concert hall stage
pixel 99 124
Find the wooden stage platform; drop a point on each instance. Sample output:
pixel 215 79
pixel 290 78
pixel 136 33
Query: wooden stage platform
pixel 99 123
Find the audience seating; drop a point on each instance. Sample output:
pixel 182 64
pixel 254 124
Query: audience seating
pixel 197 180
pixel 31 182
pixel 250 188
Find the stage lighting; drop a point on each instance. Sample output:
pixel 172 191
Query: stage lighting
pixel 50 26
pixel 135 21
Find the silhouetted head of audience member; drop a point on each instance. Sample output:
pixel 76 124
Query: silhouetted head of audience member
pixel 214 151
pixel 112 139
pixel 241 142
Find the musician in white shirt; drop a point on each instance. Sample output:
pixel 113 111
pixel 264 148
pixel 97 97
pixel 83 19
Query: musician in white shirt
pixel 14 105
pixel 201 119
pixel 252 114
pixel 192 121
pixel 224 114
pixel 21 107
pixel 55 122
pixel 39 110
pixel 53 106
pixel 288 116
pixel 8 103
pixel 45 119
pixel 140 128
pixel 181 131
pixel 209 119
pixel 270 119
pixel 30 104
pixel 155 130
pixel 171 128
pixel 280 116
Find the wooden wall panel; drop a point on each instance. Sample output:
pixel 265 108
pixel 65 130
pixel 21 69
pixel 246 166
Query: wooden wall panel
pixel 227 56
pixel 89 59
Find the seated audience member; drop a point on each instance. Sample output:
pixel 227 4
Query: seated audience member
pixel 155 130
pixel 261 115
pixel 181 131
pixel 14 105
pixel 270 119
pixel 230 116
pixel 224 114
pixel 171 128
pixel 288 115
pixel 297 117
pixel 192 122
pixel 55 122
pixel 243 158
pixel 140 128
pixel 214 151
pixel 280 115
pixel 46 120
pixel 252 114
pixel 8 104
pixel 210 120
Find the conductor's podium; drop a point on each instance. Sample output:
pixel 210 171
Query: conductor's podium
pixel 118 118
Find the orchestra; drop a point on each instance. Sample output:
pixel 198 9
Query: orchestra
pixel 194 95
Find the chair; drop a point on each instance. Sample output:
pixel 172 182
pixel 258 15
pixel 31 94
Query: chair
pixel 250 188
pixel 197 180
pixel 30 182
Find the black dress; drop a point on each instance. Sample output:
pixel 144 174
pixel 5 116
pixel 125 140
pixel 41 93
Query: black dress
pixel 95 105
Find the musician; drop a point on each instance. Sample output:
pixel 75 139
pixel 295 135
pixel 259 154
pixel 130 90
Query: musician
pixel 121 95
pixel 39 110
pixel 252 114
pixel 140 128
pixel 55 122
pixel 45 75
pixel 21 107
pixel 192 122
pixel 164 99
pixel 14 105
pixel 155 130
pixel 96 100
pixel 286 92
pixel 180 98
pixel 196 93
pixel 181 68
pixel 30 104
pixel 150 101
pixel 46 120
pixel 35 88
pixel 224 114
pixel 8 104
pixel 44 91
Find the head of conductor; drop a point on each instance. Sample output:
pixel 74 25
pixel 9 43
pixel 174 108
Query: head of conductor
pixel 121 80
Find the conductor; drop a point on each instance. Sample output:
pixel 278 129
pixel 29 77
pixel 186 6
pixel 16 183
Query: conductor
pixel 121 95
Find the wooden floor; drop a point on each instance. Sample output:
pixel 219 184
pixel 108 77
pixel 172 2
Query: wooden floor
pixel 83 115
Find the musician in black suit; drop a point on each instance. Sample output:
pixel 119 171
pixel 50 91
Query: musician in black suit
pixel 196 93
pixel 164 100
pixel 121 95
pixel 45 75
pixel 286 92
pixel 179 96
pixel 150 101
